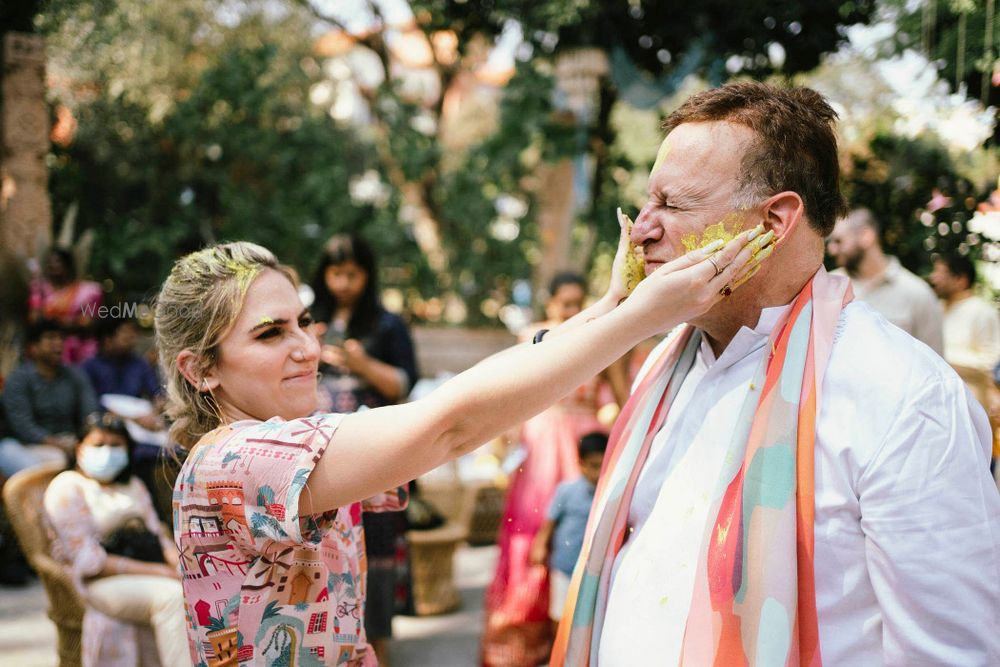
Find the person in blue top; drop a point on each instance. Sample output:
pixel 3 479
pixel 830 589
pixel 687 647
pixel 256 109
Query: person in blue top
pixel 116 368
pixel 560 538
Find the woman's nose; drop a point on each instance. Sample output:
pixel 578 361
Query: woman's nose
pixel 309 345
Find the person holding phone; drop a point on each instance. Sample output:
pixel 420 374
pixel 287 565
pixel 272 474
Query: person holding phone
pixel 368 361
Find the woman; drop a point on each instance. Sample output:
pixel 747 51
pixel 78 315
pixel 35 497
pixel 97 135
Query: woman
pixel 518 631
pixel 267 506
pixel 368 361
pixel 60 295
pixel 107 532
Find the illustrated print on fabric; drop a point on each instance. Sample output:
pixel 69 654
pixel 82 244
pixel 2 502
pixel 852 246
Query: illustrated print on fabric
pixel 282 638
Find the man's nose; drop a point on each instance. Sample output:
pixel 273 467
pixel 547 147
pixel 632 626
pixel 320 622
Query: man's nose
pixel 646 228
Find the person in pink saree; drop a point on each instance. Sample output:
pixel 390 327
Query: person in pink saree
pixel 518 631
pixel 62 296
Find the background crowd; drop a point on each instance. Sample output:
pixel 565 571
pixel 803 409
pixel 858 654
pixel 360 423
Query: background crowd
pixel 52 402
pixel 434 164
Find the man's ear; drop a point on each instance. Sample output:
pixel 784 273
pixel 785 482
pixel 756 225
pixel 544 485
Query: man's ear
pixel 783 213
pixel 187 364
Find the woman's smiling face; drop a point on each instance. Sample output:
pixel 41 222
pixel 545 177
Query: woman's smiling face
pixel 269 358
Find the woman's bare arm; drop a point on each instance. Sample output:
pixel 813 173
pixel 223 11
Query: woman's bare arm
pixel 386 447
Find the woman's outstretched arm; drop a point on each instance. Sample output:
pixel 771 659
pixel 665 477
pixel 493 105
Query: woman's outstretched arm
pixel 386 447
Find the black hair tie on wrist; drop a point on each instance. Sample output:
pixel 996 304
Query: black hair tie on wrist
pixel 539 335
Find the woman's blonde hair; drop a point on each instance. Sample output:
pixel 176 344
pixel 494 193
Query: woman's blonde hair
pixel 195 309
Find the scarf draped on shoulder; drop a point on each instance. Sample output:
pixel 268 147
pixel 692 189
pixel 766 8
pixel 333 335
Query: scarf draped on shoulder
pixel 741 613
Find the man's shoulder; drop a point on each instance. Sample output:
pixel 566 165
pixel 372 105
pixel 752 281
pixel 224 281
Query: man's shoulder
pixel 979 307
pixel 872 353
pixel 913 284
pixel 565 486
pixel 870 333
pixel 76 373
pixel 94 364
pixel 23 370
pixel 878 380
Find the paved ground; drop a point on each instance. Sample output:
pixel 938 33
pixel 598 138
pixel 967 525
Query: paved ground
pixel 27 637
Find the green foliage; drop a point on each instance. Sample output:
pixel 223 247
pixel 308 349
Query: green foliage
pixel 660 39
pixel 486 266
pixel 896 181
pixel 195 126
pixel 243 155
pixel 957 45
pixel 711 30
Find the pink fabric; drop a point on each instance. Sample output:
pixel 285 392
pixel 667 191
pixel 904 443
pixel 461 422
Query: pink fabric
pixel 518 630
pixel 73 305
pixel 107 642
pixel 261 584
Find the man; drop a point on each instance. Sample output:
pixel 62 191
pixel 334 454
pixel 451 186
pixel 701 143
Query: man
pixel 46 402
pixel 793 479
pixel 971 331
pixel 117 369
pixel 881 281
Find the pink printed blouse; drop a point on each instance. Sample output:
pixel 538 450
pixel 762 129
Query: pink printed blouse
pixel 262 585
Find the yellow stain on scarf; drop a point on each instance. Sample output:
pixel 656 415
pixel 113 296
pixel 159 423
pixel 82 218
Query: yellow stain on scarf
pixel 722 533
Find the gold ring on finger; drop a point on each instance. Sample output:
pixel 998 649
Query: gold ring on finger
pixel 718 270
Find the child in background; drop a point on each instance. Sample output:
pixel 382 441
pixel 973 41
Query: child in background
pixel 561 536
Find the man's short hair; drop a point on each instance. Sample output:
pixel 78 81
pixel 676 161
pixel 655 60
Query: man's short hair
pixel 958 266
pixel 107 327
pixel 795 149
pixel 593 443
pixel 862 216
pixel 37 329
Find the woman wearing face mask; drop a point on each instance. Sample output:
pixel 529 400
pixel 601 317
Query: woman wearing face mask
pixel 107 532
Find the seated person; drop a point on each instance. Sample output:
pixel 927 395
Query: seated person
pixel 107 532
pixel 116 368
pixel 560 538
pixel 14 568
pixel 45 401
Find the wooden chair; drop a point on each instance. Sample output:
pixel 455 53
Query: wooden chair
pixel 23 496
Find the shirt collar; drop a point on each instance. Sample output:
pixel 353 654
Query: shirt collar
pixel 892 270
pixel 746 341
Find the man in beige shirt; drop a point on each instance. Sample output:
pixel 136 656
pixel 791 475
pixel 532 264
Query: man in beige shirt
pixel 880 280
pixel 971 333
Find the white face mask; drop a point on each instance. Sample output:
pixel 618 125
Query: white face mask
pixel 103 463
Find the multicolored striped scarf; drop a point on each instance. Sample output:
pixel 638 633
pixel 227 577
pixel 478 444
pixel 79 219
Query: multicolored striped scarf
pixel 742 612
